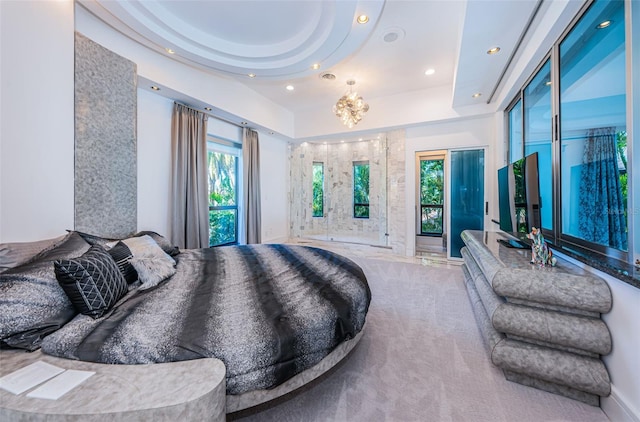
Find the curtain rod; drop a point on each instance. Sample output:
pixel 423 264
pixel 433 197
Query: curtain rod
pixel 212 115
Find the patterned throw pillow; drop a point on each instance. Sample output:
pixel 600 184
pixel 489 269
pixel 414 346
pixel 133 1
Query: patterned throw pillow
pixel 92 282
pixel 122 255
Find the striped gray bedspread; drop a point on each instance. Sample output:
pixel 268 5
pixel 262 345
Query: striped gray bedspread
pixel 267 311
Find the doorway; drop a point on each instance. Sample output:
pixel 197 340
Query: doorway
pixel 431 228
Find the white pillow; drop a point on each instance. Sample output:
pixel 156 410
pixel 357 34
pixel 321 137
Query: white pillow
pixel 150 261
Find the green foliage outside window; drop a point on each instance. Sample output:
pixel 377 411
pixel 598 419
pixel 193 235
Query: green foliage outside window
pixel 318 190
pixel 222 198
pixel 621 146
pixel 361 189
pixel 431 193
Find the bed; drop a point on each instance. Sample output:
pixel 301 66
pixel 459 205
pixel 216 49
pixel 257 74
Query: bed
pixel 269 312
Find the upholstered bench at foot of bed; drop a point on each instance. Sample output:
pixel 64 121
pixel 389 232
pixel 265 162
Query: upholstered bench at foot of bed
pixel 188 390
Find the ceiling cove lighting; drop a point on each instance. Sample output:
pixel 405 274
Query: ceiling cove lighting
pixel 170 51
pixel 350 108
pixel 493 50
pixel 604 24
pixel 362 19
pixel 429 72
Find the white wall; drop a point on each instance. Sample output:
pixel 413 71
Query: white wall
pixel 274 188
pixel 37 120
pixel 462 133
pixel 154 162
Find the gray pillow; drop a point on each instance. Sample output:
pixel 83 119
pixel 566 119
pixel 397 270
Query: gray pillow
pixel 32 303
pixel 152 264
pixel 18 253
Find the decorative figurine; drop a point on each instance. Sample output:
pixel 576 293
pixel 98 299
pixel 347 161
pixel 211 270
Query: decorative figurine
pixel 540 252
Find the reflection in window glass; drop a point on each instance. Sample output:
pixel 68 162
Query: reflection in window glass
pixel 593 131
pixel 361 189
pixel 538 134
pixel 515 132
pixel 318 190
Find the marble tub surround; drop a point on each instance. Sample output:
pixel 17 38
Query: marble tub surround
pixel 189 390
pixel 541 325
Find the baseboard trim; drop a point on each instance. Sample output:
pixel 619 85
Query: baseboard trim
pixel 617 408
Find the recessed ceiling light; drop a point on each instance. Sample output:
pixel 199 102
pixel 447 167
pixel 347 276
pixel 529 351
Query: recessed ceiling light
pixel 208 108
pixel 170 51
pixel 327 76
pixel 244 123
pixel 363 19
pixel 155 88
pixel 429 72
pixel 493 50
pixel 251 75
pixel 604 24
pixel 315 66
pixel 290 88
pixel 476 95
pixel 342 141
pixel 271 133
pixel 547 83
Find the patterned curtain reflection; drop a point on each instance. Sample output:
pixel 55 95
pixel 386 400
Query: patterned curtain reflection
pixel 601 216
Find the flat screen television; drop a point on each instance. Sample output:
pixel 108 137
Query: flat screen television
pixel 519 195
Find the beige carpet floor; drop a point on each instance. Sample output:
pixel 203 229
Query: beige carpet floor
pixel 421 359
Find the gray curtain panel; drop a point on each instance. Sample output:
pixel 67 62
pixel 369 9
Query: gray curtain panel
pixel 601 215
pixel 251 182
pixel 189 201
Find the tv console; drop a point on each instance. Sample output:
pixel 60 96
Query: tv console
pixel 542 325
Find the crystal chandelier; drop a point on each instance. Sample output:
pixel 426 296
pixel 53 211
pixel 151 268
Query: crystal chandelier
pixel 350 107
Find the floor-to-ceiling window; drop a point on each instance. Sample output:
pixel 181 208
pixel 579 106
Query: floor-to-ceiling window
pixel 223 165
pixel 592 120
pixel 574 114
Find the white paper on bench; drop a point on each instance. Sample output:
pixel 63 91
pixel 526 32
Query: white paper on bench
pixel 31 375
pixel 60 385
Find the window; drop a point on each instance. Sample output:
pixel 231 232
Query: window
pixel 318 190
pixel 593 128
pixel 538 137
pixel 573 112
pixel 223 164
pixel 361 189
pixel 515 131
pixel 431 196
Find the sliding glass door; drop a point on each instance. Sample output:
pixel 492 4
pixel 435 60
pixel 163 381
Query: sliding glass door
pixel 466 196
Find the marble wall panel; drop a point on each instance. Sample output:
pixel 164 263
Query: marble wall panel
pixel 105 176
pixel 338 222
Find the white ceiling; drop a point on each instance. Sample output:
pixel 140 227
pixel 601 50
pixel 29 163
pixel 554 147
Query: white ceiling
pixel 278 41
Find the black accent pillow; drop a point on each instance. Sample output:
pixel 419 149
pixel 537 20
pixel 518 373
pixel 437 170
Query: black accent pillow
pixel 122 255
pixel 92 282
